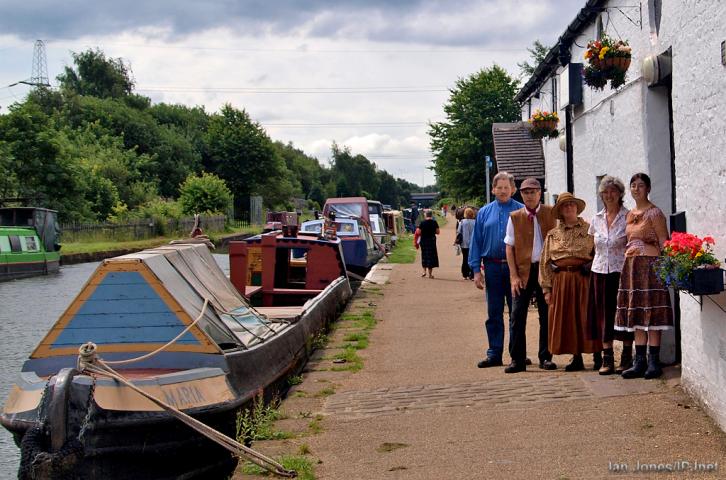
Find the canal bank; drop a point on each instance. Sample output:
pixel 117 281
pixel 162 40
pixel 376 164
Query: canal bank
pixel 417 407
pixel 221 243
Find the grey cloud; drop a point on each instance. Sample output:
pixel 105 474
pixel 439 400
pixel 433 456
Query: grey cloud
pixel 372 20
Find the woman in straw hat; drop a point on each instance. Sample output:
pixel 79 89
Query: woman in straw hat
pixel 564 273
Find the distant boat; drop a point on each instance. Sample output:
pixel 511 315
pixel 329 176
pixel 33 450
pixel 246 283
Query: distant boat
pixel 369 211
pixel 360 250
pixel 28 242
pixel 93 427
pixel 394 224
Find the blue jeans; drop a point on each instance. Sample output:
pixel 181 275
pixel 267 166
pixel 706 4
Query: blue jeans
pixel 498 289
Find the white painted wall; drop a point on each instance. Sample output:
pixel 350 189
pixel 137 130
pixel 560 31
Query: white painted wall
pixel 695 29
pixel 623 132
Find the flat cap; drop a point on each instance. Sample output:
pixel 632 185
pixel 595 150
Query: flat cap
pixel 530 182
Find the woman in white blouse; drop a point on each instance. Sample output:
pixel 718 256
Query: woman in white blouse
pixel 608 228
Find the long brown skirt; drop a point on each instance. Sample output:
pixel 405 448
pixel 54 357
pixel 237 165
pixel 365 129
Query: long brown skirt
pixel 568 326
pixel 644 303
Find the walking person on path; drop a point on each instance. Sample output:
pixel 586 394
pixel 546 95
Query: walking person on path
pixel 429 255
pixel 487 247
pixel 564 273
pixel 414 215
pixel 644 304
pixel 608 229
pixel 463 238
pixel 526 230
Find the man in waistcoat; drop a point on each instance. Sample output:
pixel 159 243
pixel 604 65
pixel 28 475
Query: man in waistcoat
pixel 526 230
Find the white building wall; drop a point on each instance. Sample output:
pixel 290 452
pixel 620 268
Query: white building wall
pixel 695 29
pixel 624 132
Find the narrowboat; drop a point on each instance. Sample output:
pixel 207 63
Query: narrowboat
pixel 360 250
pixel 394 224
pixel 275 220
pixel 28 242
pixel 369 211
pixel 188 337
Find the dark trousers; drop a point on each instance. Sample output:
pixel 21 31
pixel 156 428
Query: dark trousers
pixel 465 268
pixel 518 345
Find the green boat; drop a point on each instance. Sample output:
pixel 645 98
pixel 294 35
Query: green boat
pixel 28 242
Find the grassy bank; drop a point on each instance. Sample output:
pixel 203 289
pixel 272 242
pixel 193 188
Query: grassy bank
pixel 404 251
pixel 109 245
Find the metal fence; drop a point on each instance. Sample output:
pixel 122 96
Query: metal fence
pixel 141 229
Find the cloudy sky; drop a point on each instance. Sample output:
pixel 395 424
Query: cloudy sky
pixel 369 74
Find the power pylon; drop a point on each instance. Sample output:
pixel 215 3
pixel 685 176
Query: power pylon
pixel 39 74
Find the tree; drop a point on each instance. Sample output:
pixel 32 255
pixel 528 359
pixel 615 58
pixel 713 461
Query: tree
pixel 97 76
pixel 8 180
pixel 354 176
pixel 204 194
pixel 241 153
pixel 538 52
pixel 460 143
pixel 166 155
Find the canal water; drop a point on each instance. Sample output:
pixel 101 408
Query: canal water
pixel 28 308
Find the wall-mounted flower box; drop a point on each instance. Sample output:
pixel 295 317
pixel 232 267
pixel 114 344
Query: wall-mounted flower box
pixel 687 263
pixel 705 281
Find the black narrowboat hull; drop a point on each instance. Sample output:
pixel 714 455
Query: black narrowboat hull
pixel 87 441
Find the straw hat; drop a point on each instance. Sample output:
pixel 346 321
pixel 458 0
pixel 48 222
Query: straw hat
pixel 564 197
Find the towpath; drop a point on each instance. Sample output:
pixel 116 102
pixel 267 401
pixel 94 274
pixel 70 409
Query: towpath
pixel 420 408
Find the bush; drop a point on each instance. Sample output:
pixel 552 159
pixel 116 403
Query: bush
pixel 205 194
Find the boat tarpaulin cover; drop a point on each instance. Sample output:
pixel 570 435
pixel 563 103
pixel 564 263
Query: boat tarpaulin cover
pixel 139 301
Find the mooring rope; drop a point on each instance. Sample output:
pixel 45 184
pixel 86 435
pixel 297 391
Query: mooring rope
pixel 89 362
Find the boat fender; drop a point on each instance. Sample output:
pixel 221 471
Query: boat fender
pixel 47 451
pixel 37 463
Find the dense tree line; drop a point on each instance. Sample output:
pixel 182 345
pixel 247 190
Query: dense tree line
pixel 95 150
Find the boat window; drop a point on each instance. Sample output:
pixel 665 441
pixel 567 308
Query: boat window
pixel 31 244
pixel 375 225
pixel 347 209
pixel 15 245
pixel 374 208
pixel 4 245
pixel 312 227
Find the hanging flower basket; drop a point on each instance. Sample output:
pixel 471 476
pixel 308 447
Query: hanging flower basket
pixel 687 263
pixel 607 61
pixel 544 124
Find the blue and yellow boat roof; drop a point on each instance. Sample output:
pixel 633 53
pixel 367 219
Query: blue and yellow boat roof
pixel 139 302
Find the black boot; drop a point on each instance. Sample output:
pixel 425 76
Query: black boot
pixel 608 364
pixel 638 368
pixel 654 370
pixel 626 360
pixel 576 364
pixel 596 361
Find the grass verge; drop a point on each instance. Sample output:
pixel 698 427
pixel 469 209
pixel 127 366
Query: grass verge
pixel 404 251
pixel 112 245
pixel 303 466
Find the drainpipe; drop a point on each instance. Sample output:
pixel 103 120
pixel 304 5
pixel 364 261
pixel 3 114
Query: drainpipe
pixel 570 159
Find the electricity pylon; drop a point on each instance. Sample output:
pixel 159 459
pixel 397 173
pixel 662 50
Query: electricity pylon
pixel 39 75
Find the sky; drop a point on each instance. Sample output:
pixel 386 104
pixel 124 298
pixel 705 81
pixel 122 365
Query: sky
pixel 366 74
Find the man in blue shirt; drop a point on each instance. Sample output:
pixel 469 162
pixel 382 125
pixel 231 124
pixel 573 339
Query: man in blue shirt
pixel 487 247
